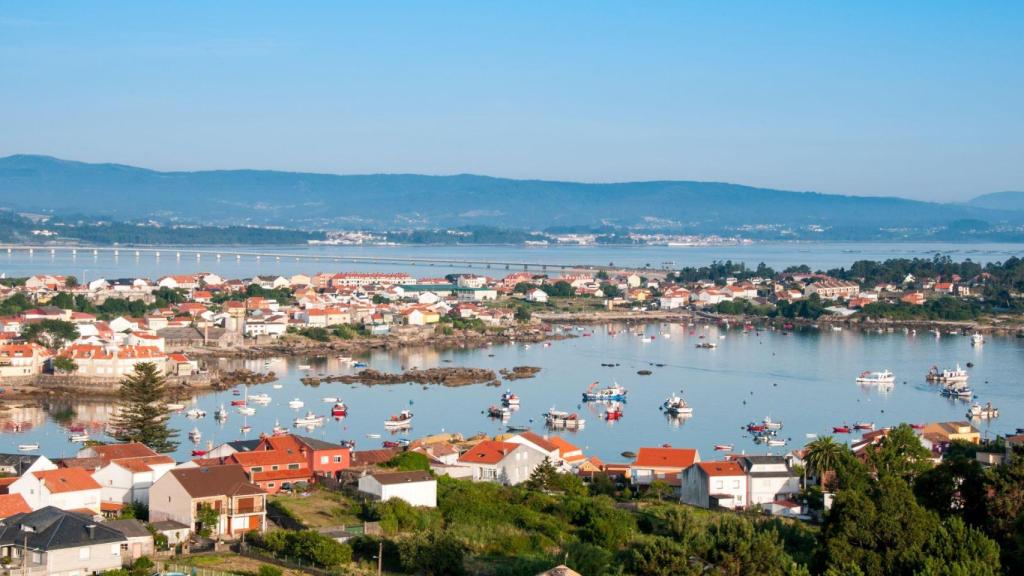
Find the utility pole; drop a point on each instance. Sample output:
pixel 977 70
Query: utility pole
pixel 380 557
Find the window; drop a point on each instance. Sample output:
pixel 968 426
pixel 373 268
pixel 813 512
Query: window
pixel 257 469
pixel 274 467
pixel 325 459
pixel 718 484
pixel 83 553
pixel 337 459
pixel 271 484
pixel 115 550
pixel 293 466
pixel 37 557
pixel 735 483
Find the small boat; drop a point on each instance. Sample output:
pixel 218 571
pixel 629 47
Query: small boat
pixel 246 410
pixel 277 386
pixel 390 444
pixel 330 399
pixel 359 364
pixel 238 402
pixel 844 429
pixel 348 443
pixel 236 392
pixel 985 412
pixel 723 447
pixel 79 437
pixel 837 328
pixel 372 435
pixel 776 442
pixel 614 412
pixel 245 429
pixel 196 413
pixel 339 409
pixel 613 392
pixel 707 345
pixel 517 428
pixel 977 339
pixel 963 392
pixel 277 430
pixel 676 406
pixel 947 376
pixel 221 413
pixel 883 377
pixel 309 420
pixel 503 412
pixel 195 435
pixel 296 404
pixel 509 399
pixel 864 426
pixel 198 452
pixel 402 420
pixel 305 367
pixel 770 424
pixel 174 406
pixel 917 426
pixel 559 419
pixel 28 447
pixel 260 398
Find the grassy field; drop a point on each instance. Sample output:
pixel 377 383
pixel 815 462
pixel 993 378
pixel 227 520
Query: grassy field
pixel 232 564
pixel 320 508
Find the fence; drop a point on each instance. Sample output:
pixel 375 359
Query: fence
pixel 193 570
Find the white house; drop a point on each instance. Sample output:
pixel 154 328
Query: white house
pixel 418 487
pixel 64 488
pixel 714 484
pixel 538 443
pixel 769 479
pixel 537 295
pixel 128 480
pixel 504 462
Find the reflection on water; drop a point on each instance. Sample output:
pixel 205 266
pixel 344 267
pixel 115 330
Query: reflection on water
pixel 804 379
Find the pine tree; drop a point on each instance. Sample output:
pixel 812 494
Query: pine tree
pixel 543 477
pixel 141 415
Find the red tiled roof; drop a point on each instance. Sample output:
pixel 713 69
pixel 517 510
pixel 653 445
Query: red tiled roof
pixel 488 452
pixel 108 452
pixel 665 457
pixel 67 480
pixel 721 468
pixel 540 441
pixel 11 504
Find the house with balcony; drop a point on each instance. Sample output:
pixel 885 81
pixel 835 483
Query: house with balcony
pixel 661 464
pixel 503 462
pixel 181 494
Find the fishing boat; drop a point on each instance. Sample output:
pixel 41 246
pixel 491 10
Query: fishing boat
pixel 613 392
pixel 559 419
pixel 196 413
pixel 883 377
pixel 977 339
pixel 844 429
pixel 28 447
pixel 174 406
pixel 246 410
pixel 79 437
pixel 509 399
pixel 864 426
pixel 309 420
pixel 985 412
pixel 402 420
pixel 195 435
pixel 947 376
pixel 676 406
pixel 503 412
pixel 330 399
pixel 962 391
pixel 221 413
pixel 723 447
pixel 339 409
pixel 296 404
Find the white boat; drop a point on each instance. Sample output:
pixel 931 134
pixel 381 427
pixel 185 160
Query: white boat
pixel 28 447
pixel 246 410
pixel 977 339
pixel 196 413
pixel 775 442
pixel 510 399
pixel 305 367
pixel 79 437
pixel 260 399
pixel 195 435
pixel 278 429
pixel 985 412
pixel 174 406
pixel 961 391
pixel 502 412
pixel 947 376
pixel 309 420
pixel 676 406
pixel 296 404
pixel 277 386
pixel 837 328
pixel 613 392
pixel 559 419
pixel 330 399
pixel 221 413
pixel 373 435
pixel 770 424
pixel 883 377
pixel 402 420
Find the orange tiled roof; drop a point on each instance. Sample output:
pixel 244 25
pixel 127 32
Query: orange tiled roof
pixel 67 480
pixel 488 452
pixel 11 504
pixel 665 457
pixel 721 468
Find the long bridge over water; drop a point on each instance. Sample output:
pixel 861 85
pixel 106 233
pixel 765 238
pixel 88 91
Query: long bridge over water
pixel 218 254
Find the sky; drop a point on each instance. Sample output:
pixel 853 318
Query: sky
pixel 916 99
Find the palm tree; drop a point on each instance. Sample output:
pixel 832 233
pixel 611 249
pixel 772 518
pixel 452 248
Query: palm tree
pixel 822 455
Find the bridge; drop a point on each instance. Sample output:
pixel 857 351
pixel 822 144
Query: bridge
pixel 179 253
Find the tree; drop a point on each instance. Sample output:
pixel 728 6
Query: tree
pixel 435 554
pixel 208 519
pixel 823 456
pixel 523 314
pixel 64 364
pixel 50 333
pixel 141 415
pixel 543 476
pixel 657 556
pixel 901 454
pixel 610 290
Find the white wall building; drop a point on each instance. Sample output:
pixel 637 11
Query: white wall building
pixel 418 488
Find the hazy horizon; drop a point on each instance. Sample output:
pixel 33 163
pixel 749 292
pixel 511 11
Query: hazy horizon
pixel 915 101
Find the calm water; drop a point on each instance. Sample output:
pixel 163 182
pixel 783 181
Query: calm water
pixel 804 379
pixel 823 256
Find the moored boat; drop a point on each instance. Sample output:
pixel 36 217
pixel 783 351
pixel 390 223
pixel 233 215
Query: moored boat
pixel 723 447
pixel 947 376
pixel 864 426
pixel 28 447
pixel 883 377
pixel 977 339
pixel 196 413
pixel 221 413
pixel 309 420
pixel 676 406
pixel 614 412
pixel 502 412
pixel 339 409
pixel 246 410
pixel 985 412
pixel 401 420
pixel 79 437
pixel 296 404
pixel 844 429
pixel 508 398
pixel 195 435
pixel 561 419
pixel 613 392
pixel 961 391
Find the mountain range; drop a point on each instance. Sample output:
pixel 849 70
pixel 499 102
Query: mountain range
pixel 46 185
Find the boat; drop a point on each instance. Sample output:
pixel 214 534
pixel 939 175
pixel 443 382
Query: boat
pixel 985 412
pixel 359 364
pixel 277 430
pixel 962 391
pixel 195 435
pixel 917 426
pixel 837 328
pixel 260 398
pixel 277 386
pixel 770 424
pixel 28 447
pixel 339 409
pixel 221 413
pixel 775 442
pixel 330 399
pixel 236 392
pixel 373 435
pixel 305 367
pixel 196 413
pixel 503 412
pixel 509 399
pixel 676 406
pixel 864 426
pixel 296 404
pixel 844 429
pixel 309 420
pixel 174 406
pixel 707 345
pixel 79 437
pixel 613 392
pixel 198 452
pixel 402 420
pixel 517 428
pixel 947 376
pixel 559 419
pixel 390 444
pixel 245 429
pixel 347 444
pixel 238 402
pixel 723 447
pixel 883 377
pixel 977 339
pixel 614 412
pixel 246 410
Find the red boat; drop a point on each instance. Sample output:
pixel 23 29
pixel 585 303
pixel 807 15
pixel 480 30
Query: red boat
pixel 788 326
pixel 723 447
pixel 841 429
pixel 756 427
pixel 390 444
pixel 917 426
pixel 339 409
pixel 613 413
pixel 199 452
pixel 238 402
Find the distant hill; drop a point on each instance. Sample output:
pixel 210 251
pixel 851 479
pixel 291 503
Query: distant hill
pixel 1000 201
pixel 407 201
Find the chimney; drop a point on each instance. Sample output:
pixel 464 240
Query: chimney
pixel 92 531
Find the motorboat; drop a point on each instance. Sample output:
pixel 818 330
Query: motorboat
pixel 676 406
pixel 884 377
pixel 28 447
pixel 962 391
pixel 296 404
pixel 278 430
pixel 347 444
pixel 844 429
pixel 775 442
pixel 196 413
pixel 723 447
pixel 330 399
pixel 770 424
pixel 339 409
pixel 864 426
pixel 221 413
pixel 373 435
pixel 707 345
pixel 309 420
pixel 260 399
pixel 246 410
pixel 238 402
pixel 174 406
pixel 503 412
pixel 304 367
pixel 977 339
pixel 985 412
pixel 79 437
pixel 277 386
pixel 509 399
pixel 195 435
pixel 608 393
pixel 560 419
pixel 401 420
pixel 947 376
pixel 516 428
pixel 245 429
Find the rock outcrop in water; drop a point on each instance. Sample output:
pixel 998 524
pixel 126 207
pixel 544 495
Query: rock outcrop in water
pixel 519 372
pixel 444 376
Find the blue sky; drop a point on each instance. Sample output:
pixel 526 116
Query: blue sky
pixel 918 99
